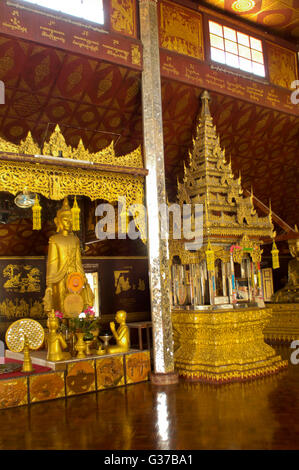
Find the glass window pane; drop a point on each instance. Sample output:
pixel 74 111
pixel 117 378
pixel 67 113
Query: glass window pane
pixel 216 41
pixel 91 10
pixel 258 69
pixel 217 55
pixel 244 52
pixel 256 44
pixel 232 60
pixel 229 33
pixel 245 65
pixel 241 50
pixel 257 56
pixel 231 47
pixel 243 39
pixel 215 28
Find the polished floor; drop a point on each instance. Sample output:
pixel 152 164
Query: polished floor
pixel 262 414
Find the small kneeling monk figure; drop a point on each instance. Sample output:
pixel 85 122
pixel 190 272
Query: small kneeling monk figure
pixel 122 335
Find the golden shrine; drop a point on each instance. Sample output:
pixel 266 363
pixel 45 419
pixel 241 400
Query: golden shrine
pixel 218 311
pixel 56 172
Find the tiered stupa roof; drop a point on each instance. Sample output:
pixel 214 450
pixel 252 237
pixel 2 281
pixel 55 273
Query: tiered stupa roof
pixel 208 180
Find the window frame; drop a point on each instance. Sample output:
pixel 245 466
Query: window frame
pixel 58 15
pixel 233 70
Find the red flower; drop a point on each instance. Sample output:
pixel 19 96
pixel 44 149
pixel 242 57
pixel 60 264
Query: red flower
pixel 89 311
pixel 58 314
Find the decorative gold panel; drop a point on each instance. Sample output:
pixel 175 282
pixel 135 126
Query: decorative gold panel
pixel 123 17
pixel 282 64
pixel 181 30
pixel 13 392
pixel 46 387
pixel 138 367
pixel 110 372
pixel 80 378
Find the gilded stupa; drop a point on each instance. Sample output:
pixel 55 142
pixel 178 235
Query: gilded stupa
pixel 218 311
pixel 228 215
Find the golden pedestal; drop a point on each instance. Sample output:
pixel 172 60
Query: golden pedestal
pixel 223 345
pixel 284 323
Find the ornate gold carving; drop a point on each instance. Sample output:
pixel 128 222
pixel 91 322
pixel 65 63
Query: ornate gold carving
pixel 284 323
pixel 57 183
pixel 247 246
pixel 56 146
pixel 223 346
pixel 181 30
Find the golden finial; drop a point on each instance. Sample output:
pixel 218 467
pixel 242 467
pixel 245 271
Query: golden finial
pixel 76 216
pixel 205 110
pixel 36 214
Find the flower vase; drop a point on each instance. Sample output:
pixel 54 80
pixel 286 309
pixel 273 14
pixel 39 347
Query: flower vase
pixel 80 345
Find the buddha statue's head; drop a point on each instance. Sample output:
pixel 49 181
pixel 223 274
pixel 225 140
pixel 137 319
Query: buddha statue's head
pixel 63 219
pixel 294 245
pixel 121 316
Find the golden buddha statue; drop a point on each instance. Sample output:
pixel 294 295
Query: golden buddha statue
pixel 290 292
pixel 122 335
pixel 64 258
pixel 56 341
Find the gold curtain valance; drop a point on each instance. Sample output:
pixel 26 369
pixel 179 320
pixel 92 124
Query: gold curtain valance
pixel 58 182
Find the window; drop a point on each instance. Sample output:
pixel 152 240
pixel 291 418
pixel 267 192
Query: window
pixel 236 49
pixel 91 10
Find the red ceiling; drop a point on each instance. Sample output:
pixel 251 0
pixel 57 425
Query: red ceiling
pixel 100 102
pixel 278 16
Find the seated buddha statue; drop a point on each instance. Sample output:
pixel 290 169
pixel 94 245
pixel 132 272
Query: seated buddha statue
pixel 122 335
pixel 64 258
pixel 290 292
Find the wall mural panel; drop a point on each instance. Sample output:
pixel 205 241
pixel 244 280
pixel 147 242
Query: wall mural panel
pixel 124 285
pixel 282 65
pixel 181 30
pixel 123 17
pixel 22 286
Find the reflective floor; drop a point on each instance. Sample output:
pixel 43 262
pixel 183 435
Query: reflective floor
pixel 263 414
